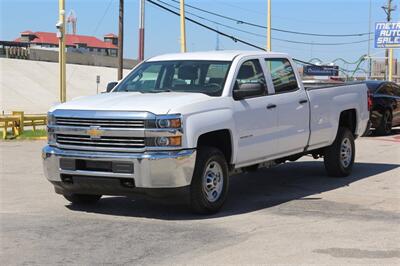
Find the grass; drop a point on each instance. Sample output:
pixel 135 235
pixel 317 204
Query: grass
pixel 31 134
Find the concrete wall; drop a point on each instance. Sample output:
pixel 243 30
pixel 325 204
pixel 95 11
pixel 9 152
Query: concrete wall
pixel 79 58
pixel 33 86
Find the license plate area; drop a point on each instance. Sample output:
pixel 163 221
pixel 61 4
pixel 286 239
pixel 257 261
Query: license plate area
pixel 120 167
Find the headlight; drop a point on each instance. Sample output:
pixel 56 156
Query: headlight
pixel 51 120
pixel 169 123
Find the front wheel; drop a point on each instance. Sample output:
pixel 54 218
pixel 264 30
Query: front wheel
pixel 209 186
pixel 82 198
pixel 339 157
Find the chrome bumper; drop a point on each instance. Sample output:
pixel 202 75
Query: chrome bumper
pixel 161 169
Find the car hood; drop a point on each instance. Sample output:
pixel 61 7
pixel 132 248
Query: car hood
pixel 157 103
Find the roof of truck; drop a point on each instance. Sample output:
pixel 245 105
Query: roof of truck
pixel 211 55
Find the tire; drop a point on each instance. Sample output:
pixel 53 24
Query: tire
pixel 339 157
pixel 208 197
pixel 82 198
pixel 367 131
pixel 385 124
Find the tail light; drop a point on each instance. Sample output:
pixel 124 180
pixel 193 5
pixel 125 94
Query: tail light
pixel 369 101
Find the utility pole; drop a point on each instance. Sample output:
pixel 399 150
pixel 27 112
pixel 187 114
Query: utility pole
pixel 369 41
pixel 121 40
pixel 183 26
pixel 141 30
pixel 61 46
pixel 389 52
pixel 269 27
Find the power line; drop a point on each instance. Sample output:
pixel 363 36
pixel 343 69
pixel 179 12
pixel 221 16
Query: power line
pixel 238 21
pixel 222 33
pixel 207 27
pixel 263 13
pixel 102 17
pixel 260 35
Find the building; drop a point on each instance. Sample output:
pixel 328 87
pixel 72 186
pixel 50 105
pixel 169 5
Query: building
pixel 74 42
pixel 379 70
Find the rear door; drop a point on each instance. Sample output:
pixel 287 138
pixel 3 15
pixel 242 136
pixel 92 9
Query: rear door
pixel 292 105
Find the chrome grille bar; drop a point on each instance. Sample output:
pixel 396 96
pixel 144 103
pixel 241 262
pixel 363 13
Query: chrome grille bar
pixel 105 123
pixel 84 138
pixel 109 142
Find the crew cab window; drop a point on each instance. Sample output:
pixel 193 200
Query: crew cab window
pixel 250 72
pixel 282 74
pixel 389 89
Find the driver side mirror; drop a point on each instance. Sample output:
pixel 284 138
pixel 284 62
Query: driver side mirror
pixel 247 90
pixel 111 86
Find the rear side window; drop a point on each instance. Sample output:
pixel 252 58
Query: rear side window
pixel 282 74
pixel 387 89
pixel 396 90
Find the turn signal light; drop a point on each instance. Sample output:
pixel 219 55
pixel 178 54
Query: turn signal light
pixel 175 123
pixel 175 141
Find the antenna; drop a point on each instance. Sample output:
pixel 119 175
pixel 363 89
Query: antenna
pixel 71 19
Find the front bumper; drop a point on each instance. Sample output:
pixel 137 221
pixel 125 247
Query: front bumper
pixel 151 170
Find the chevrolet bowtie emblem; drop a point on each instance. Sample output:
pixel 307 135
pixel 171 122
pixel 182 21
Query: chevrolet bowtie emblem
pixel 94 132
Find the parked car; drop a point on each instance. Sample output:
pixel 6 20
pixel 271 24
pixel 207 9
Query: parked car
pixel 184 122
pixel 384 99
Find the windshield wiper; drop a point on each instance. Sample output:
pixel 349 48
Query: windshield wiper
pixel 158 91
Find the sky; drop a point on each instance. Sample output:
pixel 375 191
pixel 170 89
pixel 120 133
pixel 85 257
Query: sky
pixel 162 32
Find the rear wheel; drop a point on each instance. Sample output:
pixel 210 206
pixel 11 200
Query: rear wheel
pixel 209 186
pixel 339 157
pixel 82 198
pixel 385 124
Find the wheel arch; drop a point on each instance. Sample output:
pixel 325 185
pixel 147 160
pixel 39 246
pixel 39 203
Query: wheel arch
pixel 348 119
pixel 221 139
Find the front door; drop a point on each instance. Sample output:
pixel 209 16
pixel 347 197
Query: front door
pixel 255 118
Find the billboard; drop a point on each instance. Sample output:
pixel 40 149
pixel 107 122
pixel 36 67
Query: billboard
pixel 314 70
pixel 387 35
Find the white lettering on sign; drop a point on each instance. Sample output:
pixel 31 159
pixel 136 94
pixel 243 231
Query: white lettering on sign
pixel 388 25
pixel 387 35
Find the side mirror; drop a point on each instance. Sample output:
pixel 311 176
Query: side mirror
pixel 246 90
pixel 111 86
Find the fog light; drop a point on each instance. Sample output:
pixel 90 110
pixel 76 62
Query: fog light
pixel 128 183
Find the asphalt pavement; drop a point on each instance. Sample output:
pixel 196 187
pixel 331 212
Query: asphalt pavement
pixel 290 214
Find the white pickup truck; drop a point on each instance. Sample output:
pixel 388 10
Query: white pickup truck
pixel 184 122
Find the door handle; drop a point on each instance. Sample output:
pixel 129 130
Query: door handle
pixel 303 101
pixel 270 106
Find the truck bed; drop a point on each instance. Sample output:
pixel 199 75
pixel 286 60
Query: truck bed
pixel 326 104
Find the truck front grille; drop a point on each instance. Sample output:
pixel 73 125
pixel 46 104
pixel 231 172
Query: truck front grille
pixel 104 123
pixel 105 142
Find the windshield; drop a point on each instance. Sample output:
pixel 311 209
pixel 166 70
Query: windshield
pixel 206 77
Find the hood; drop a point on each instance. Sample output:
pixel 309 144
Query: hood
pixel 157 103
